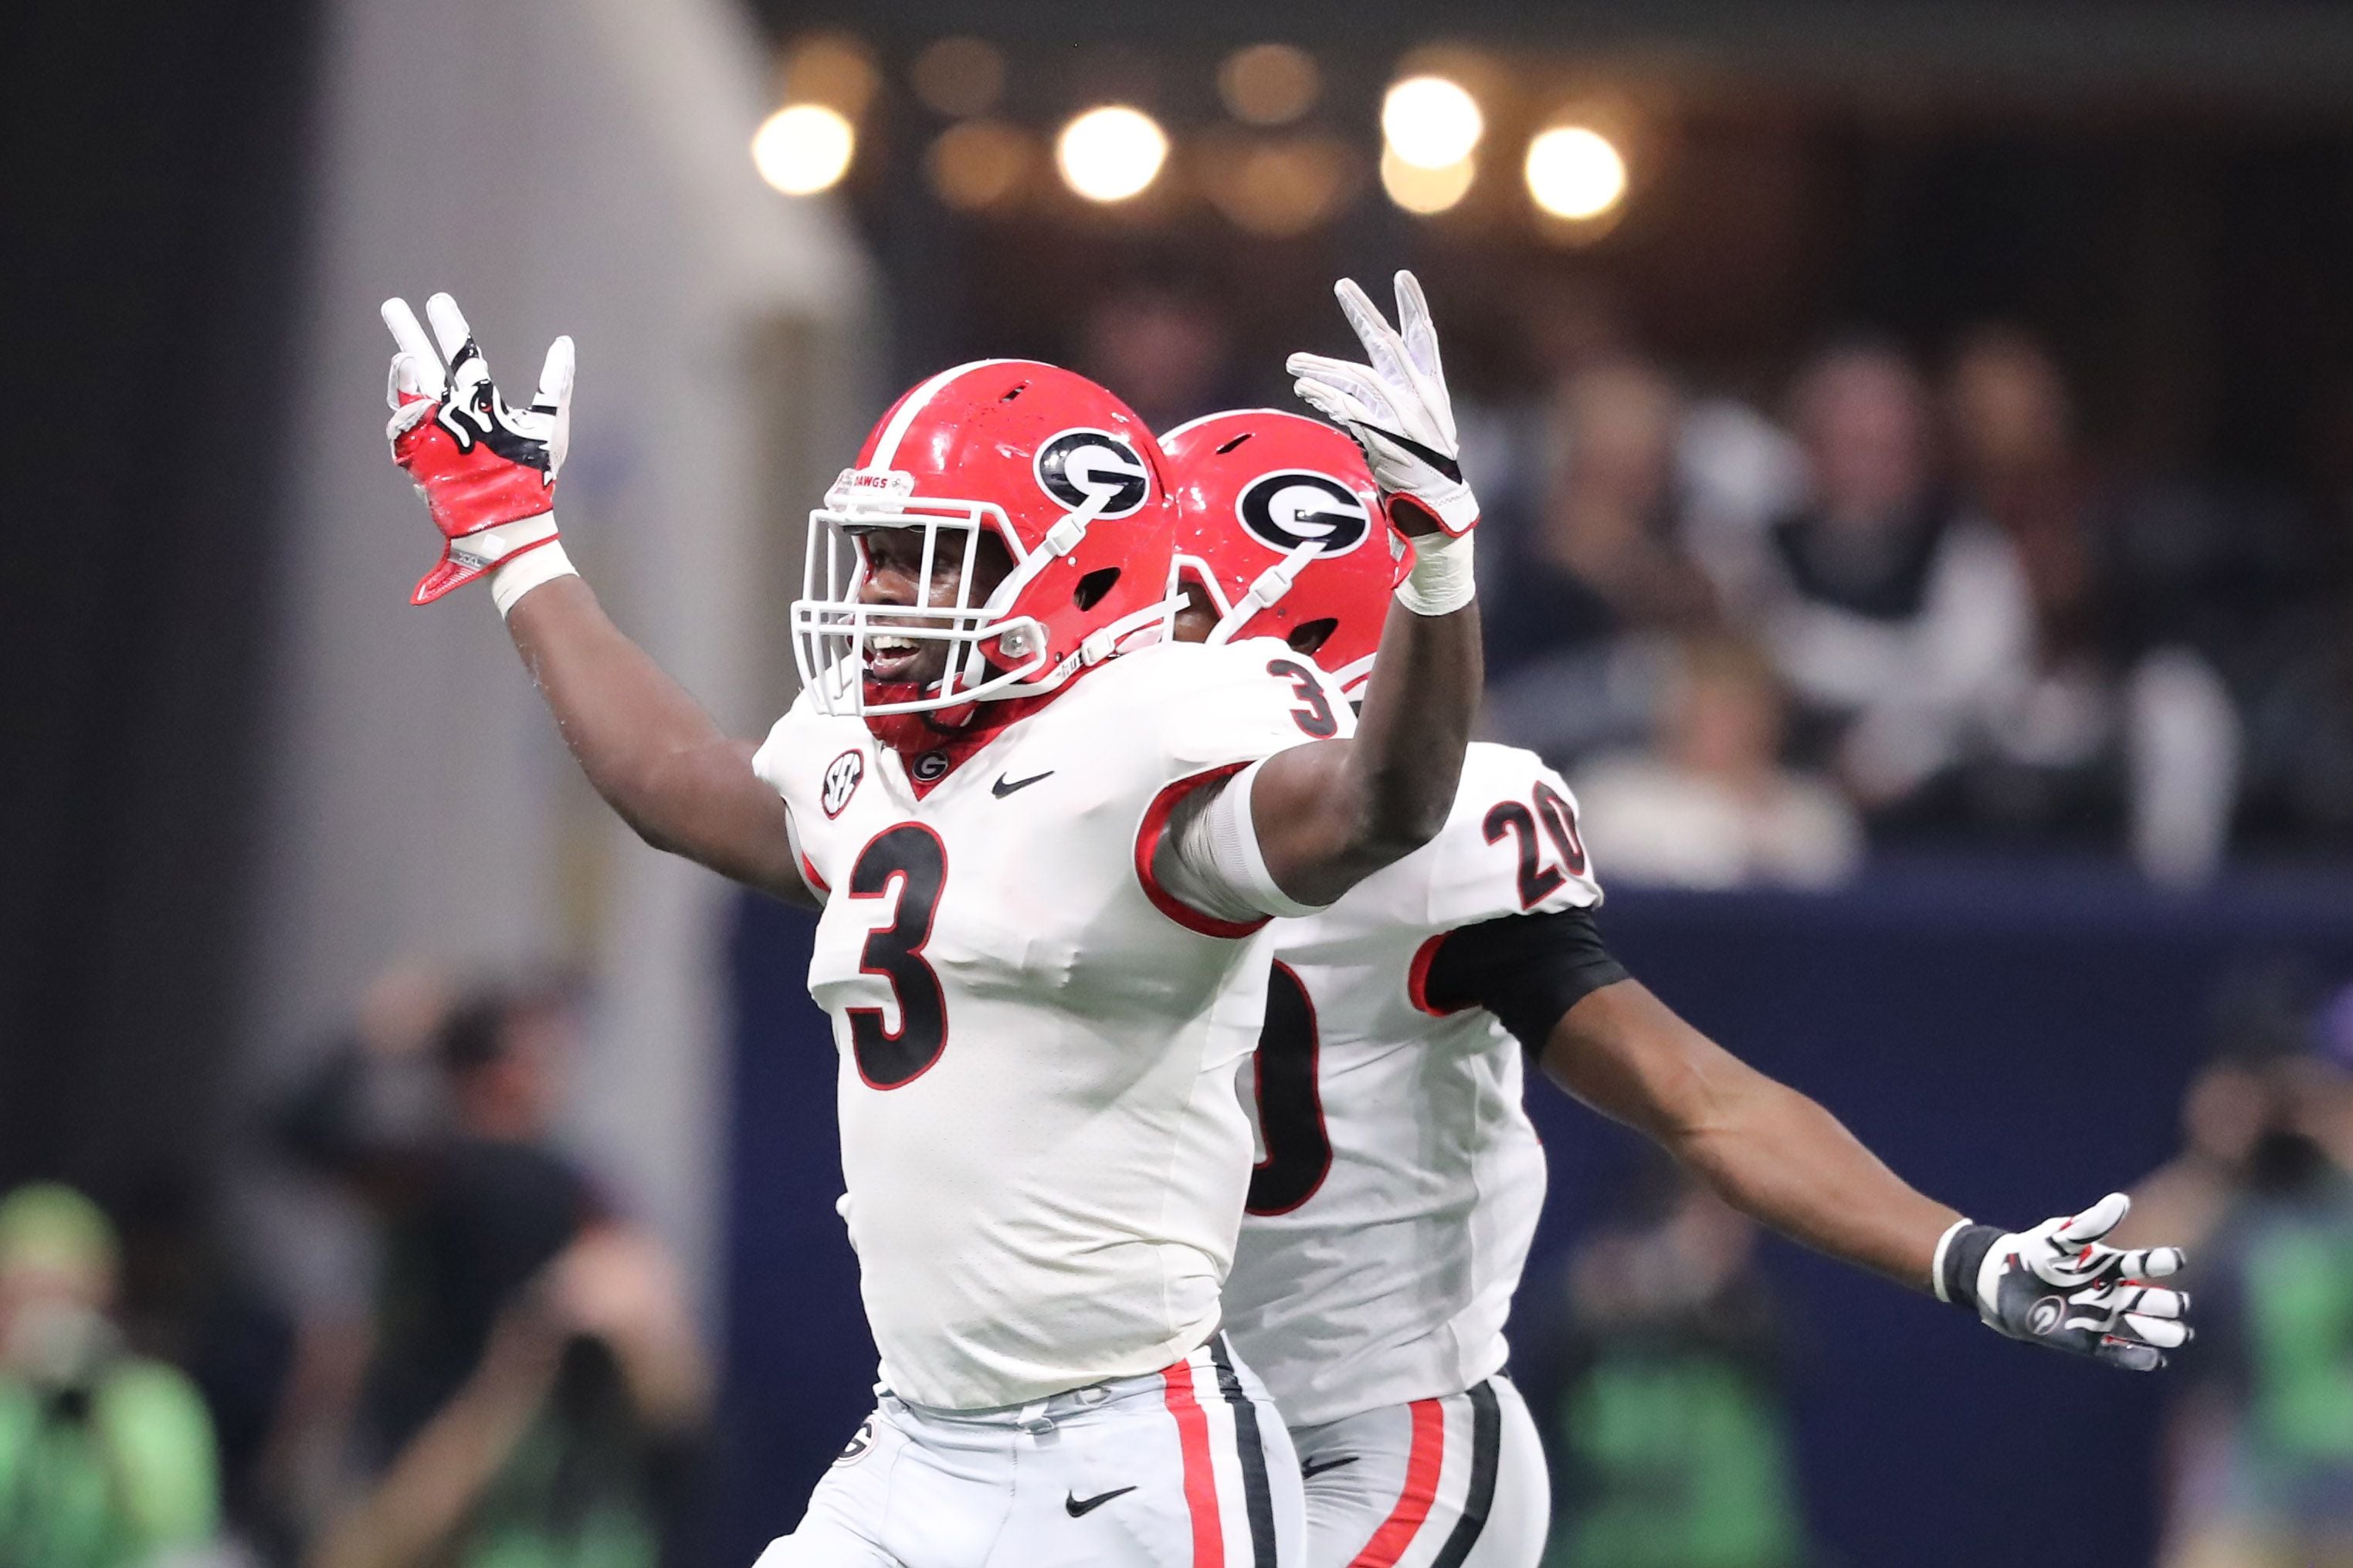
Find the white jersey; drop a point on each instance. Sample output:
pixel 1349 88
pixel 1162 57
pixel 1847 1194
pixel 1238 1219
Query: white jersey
pixel 1043 1151
pixel 1398 1188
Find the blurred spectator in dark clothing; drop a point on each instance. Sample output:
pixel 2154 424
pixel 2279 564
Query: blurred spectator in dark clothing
pixel 571 1441
pixel 107 1458
pixel 2262 1456
pixel 1165 347
pixel 1598 571
pixel 1710 805
pixel 536 1386
pixel 1897 620
pixel 2300 709
pixel 1670 1442
pixel 2094 731
pixel 474 1211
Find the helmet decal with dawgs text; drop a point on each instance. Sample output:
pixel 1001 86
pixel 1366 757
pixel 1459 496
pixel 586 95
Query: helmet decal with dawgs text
pixel 1292 507
pixel 1077 466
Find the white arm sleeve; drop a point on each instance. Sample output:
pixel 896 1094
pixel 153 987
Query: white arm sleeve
pixel 1210 857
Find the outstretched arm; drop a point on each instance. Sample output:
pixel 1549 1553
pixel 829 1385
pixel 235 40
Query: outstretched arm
pixel 1768 1150
pixel 488 471
pixel 1329 815
pixel 1783 1160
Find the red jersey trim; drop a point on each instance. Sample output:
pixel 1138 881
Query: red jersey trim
pixel 1416 979
pixel 1147 844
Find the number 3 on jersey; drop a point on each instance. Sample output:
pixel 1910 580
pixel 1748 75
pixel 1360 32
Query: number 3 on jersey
pixel 914 856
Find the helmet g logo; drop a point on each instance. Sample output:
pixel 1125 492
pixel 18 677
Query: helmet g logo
pixel 1290 507
pixel 1081 467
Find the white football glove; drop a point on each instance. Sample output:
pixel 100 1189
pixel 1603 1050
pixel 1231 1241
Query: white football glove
pixel 1397 408
pixel 2058 1285
pixel 487 471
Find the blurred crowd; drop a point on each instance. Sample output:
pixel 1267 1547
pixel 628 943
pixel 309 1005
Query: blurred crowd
pixel 418 1335
pixel 1901 601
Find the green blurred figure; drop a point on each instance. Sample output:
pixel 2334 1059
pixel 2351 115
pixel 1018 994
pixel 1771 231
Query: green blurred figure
pixel 107 1458
pixel 1670 1443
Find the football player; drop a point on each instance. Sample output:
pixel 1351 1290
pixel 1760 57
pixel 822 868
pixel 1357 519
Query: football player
pixel 1392 1206
pixel 1041 835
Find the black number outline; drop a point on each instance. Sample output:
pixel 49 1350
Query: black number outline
pixel 888 1060
pixel 1538 882
pixel 1289 1059
pixel 1560 819
pixel 1316 720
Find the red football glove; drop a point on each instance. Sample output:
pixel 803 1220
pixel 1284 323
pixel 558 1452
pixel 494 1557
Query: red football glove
pixel 488 471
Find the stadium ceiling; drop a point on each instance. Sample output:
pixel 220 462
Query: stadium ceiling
pixel 2246 54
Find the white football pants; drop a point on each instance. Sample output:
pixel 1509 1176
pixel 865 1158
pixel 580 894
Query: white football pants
pixel 1457 1482
pixel 1185 1467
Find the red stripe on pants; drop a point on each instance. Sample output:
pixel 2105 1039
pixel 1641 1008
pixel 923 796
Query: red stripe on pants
pixel 1423 1461
pixel 1200 1476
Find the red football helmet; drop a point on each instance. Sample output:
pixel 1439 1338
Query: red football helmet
pixel 1262 498
pixel 1039 457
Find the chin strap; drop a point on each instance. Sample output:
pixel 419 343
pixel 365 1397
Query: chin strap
pixel 1268 591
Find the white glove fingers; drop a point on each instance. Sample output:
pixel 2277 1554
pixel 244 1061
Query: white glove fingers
pixel 1382 345
pixel 2093 1223
pixel 2154 1263
pixel 2130 1356
pixel 2166 1334
pixel 408 335
pixel 1361 384
pixel 401 377
pixel 1415 326
pixel 449 326
pixel 556 397
pixel 554 378
pixel 1332 403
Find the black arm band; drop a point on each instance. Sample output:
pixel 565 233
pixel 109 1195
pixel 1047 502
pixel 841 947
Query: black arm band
pixel 1964 1255
pixel 1527 970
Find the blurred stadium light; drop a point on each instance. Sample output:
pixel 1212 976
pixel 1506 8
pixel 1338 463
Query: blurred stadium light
pixel 1426 190
pixel 1575 172
pixel 1430 122
pixel 958 77
pixel 1112 152
pixel 1268 84
pixel 804 148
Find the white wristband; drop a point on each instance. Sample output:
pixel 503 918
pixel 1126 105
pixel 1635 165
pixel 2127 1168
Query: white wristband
pixel 1439 582
pixel 543 564
pixel 1936 1259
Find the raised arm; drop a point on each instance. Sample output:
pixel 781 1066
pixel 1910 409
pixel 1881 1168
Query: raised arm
pixel 488 471
pixel 1329 815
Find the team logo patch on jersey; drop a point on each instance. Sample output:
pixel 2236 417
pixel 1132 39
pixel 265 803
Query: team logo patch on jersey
pixel 929 766
pixel 1290 506
pixel 841 776
pixel 1078 466
pixel 859 1442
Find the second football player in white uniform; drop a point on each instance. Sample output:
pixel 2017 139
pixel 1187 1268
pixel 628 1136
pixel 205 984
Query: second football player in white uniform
pixel 1399 1182
pixel 1041 837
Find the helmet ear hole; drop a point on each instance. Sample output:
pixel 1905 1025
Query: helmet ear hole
pixel 1094 586
pixel 1308 636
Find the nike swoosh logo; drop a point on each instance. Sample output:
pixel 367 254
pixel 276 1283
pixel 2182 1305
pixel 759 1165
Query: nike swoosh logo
pixel 1078 1507
pixel 1447 467
pixel 1309 1469
pixel 1001 788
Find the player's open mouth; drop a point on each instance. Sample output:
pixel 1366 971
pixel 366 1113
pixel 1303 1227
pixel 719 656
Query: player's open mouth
pixel 892 658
